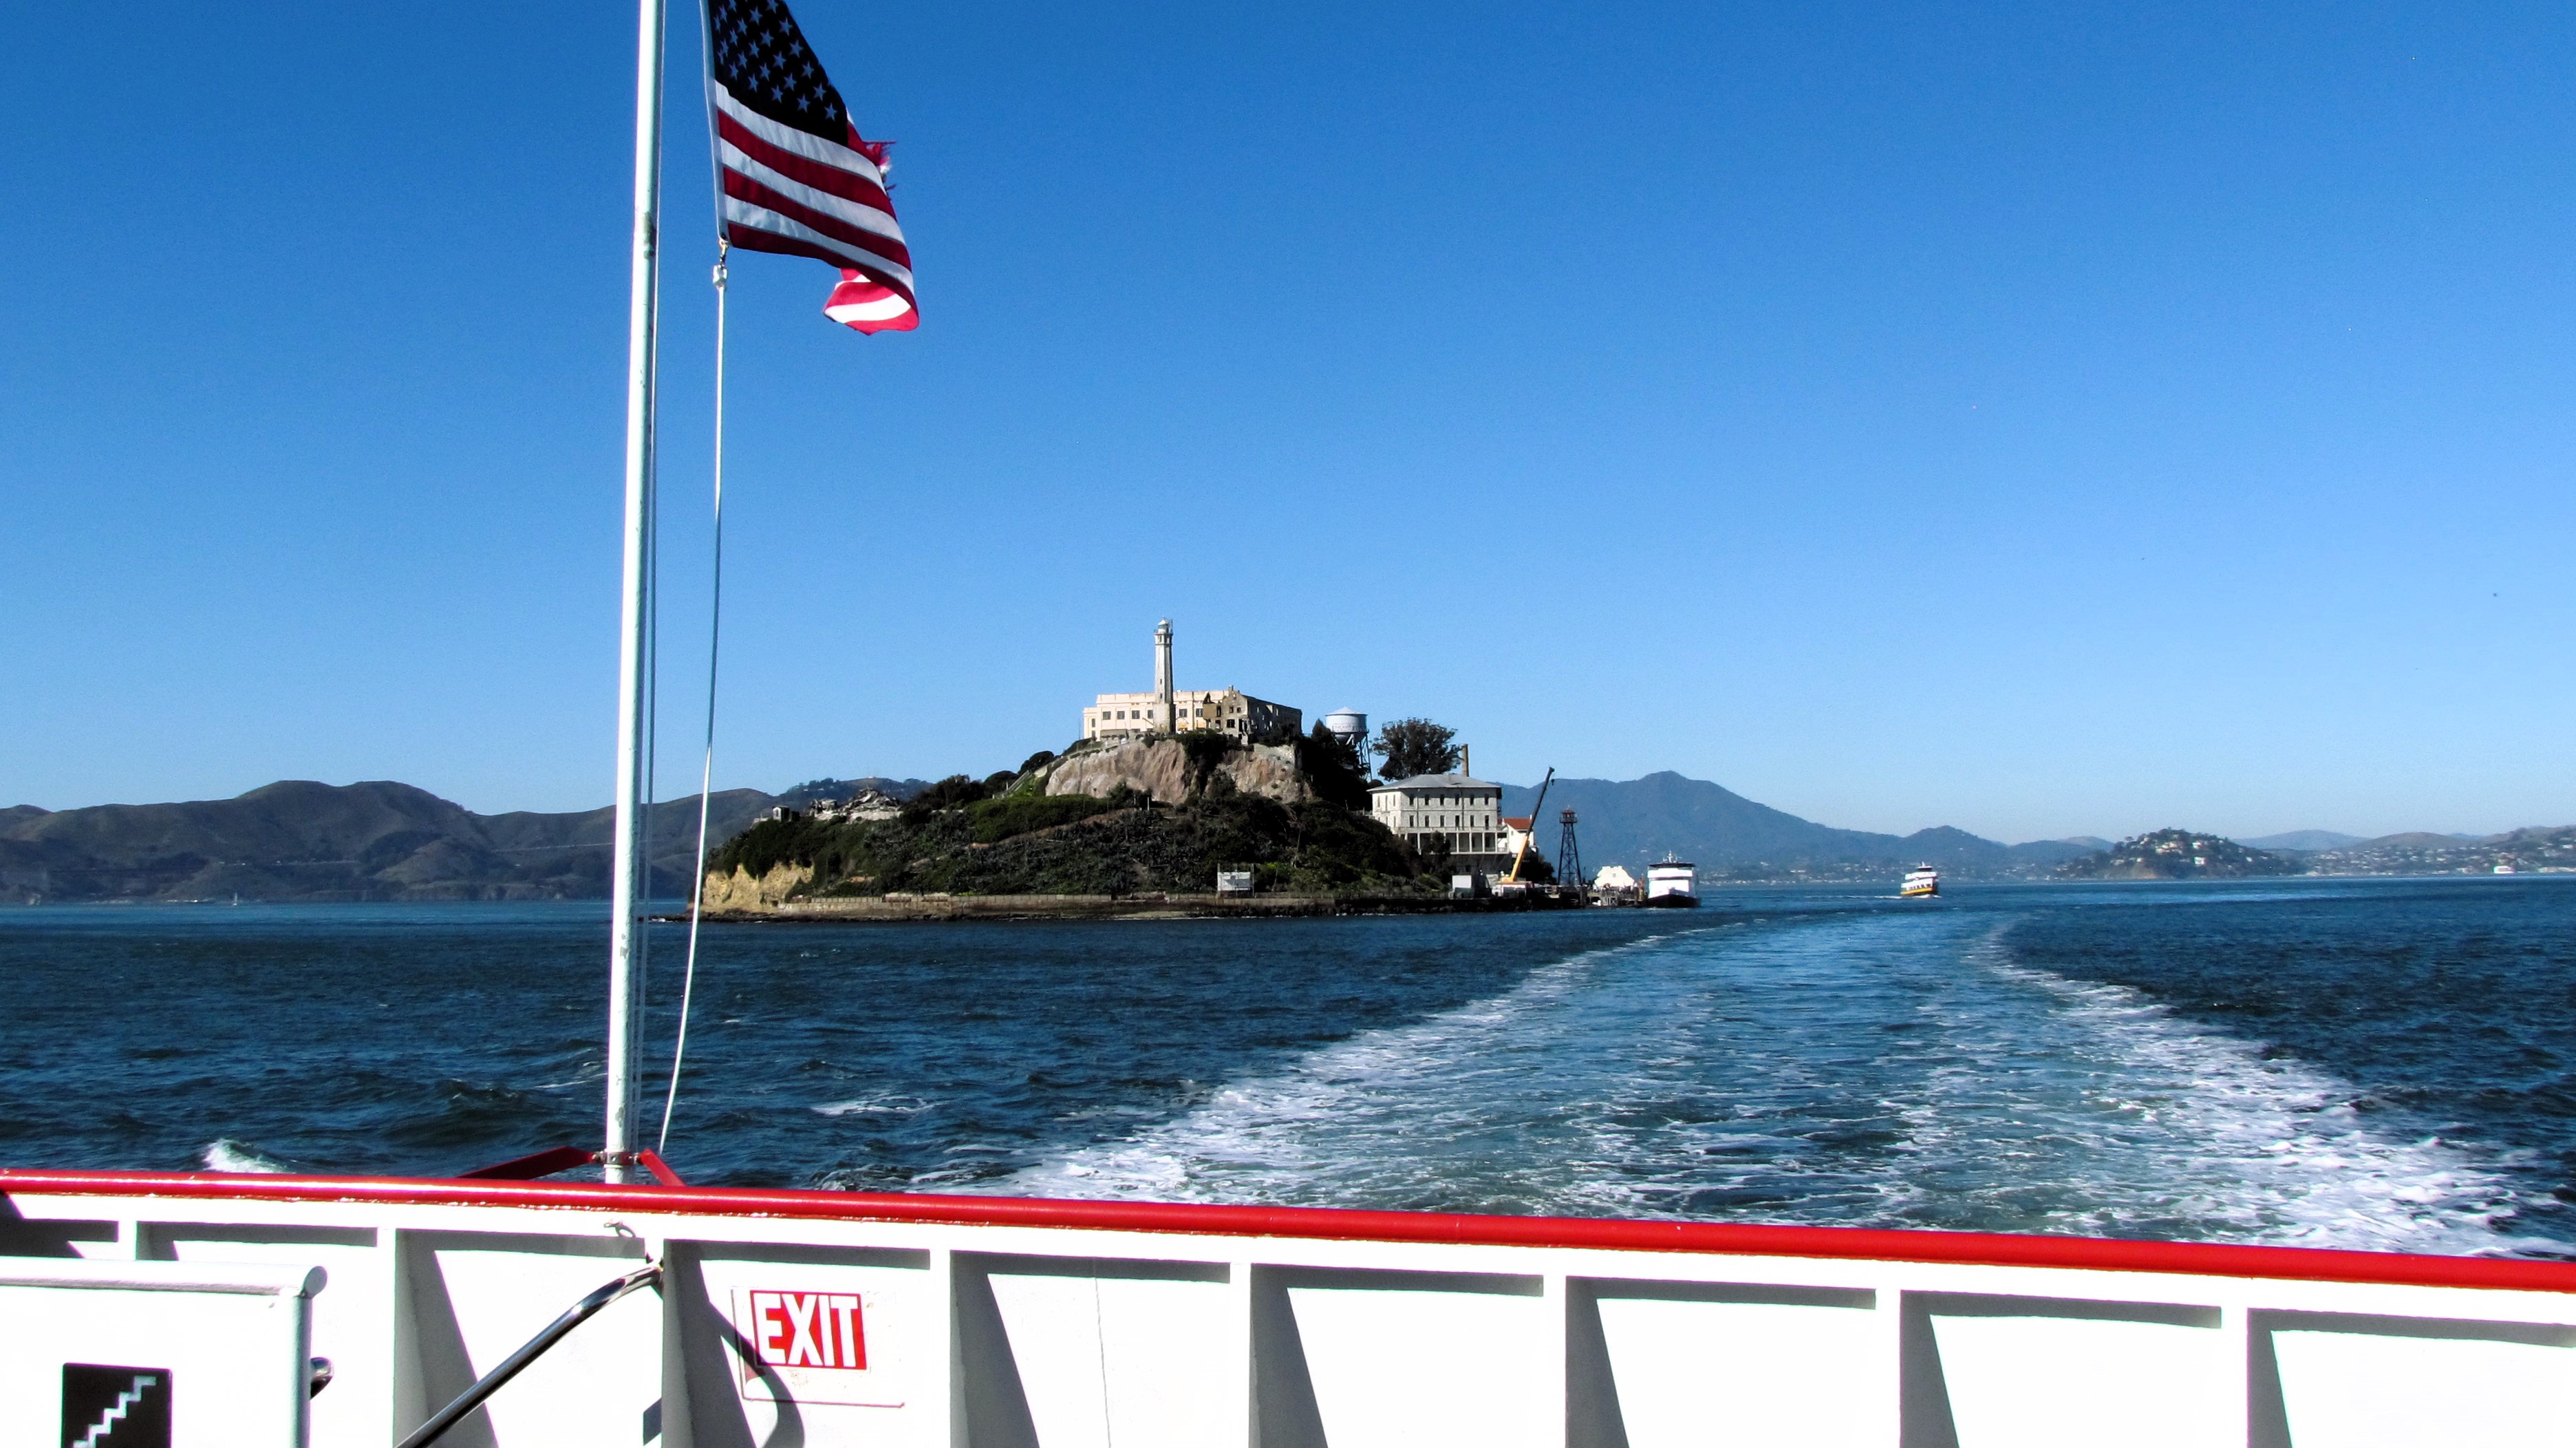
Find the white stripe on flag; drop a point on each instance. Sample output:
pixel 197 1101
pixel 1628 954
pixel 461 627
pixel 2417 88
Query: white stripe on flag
pixel 788 138
pixel 760 218
pixel 885 307
pixel 865 218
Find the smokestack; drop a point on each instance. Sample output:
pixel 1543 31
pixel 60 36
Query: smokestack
pixel 1163 676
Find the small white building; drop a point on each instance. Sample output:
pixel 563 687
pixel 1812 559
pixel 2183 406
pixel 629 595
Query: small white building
pixel 1614 883
pixel 1465 811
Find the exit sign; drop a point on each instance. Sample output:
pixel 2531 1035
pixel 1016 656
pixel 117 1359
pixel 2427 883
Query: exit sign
pixel 811 1347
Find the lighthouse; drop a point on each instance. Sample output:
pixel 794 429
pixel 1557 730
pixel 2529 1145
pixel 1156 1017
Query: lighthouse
pixel 1164 718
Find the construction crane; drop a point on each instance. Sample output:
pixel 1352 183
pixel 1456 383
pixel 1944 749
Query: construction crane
pixel 1521 858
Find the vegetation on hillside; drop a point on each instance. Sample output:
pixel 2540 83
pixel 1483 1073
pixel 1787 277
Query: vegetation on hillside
pixel 1004 835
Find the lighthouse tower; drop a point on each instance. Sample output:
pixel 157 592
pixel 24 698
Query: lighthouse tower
pixel 1164 718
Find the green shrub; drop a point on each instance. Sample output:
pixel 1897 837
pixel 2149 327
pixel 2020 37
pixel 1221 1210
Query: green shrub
pixel 995 820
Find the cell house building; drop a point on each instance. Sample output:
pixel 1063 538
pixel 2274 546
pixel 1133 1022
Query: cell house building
pixel 1166 710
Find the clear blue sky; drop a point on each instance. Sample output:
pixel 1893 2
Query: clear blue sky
pixel 2038 419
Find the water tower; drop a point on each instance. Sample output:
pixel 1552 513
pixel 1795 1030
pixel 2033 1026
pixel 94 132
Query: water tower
pixel 1351 727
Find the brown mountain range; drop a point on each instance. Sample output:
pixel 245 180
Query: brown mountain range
pixel 377 840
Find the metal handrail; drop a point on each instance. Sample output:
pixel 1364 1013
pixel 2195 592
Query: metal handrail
pixel 648 1275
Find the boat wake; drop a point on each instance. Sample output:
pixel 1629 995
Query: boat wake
pixel 1880 1070
pixel 227 1155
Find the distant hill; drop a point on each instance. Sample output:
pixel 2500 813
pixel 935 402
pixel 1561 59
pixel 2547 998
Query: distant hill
pixel 2523 851
pixel 2306 841
pixel 1728 836
pixel 2176 855
pixel 378 840
pixel 813 790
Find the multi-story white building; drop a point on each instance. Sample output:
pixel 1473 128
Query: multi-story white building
pixel 1466 811
pixel 1166 710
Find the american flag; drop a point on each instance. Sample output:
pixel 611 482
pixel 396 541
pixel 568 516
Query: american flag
pixel 797 177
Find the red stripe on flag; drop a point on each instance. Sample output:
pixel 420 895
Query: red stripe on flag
pixel 821 175
pixel 770 241
pixel 743 188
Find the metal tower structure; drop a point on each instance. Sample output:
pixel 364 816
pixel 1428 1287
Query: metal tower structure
pixel 1569 859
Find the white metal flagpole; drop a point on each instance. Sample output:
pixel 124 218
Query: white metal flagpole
pixel 627 902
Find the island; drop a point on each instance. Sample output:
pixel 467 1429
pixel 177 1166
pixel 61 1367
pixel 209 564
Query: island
pixel 2176 855
pixel 1194 823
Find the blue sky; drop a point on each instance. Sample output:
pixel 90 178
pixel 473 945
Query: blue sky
pixel 2029 418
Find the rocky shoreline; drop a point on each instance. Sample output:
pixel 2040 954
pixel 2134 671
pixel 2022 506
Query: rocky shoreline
pixel 1172 905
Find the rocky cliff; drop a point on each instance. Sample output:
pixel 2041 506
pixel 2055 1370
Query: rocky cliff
pixel 1172 772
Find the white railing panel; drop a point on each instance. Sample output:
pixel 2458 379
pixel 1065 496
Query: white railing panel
pixel 474 1302
pixel 2366 1389
pixel 1120 1355
pixel 1747 1367
pixel 2048 1381
pixel 1414 1367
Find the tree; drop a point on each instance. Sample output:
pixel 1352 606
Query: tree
pixel 955 792
pixel 1333 769
pixel 1416 746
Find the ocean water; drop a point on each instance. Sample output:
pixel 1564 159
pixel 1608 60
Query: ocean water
pixel 2386 1064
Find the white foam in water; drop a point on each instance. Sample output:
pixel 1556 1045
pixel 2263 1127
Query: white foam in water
pixel 226 1154
pixel 2198 1125
pixel 1877 1070
pixel 873 1106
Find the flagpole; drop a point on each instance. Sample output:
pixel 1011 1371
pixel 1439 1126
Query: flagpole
pixel 625 930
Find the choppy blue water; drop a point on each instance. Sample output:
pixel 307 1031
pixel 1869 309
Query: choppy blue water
pixel 2353 1063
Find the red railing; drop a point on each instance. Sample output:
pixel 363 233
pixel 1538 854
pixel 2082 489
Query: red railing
pixel 1335 1224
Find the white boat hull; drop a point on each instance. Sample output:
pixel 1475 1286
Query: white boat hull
pixel 1001 1322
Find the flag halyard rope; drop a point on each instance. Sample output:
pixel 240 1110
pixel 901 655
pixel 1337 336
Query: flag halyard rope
pixel 707 762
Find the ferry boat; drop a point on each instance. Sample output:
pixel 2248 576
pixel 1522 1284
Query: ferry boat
pixel 1672 884
pixel 1921 883
pixel 499 1308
